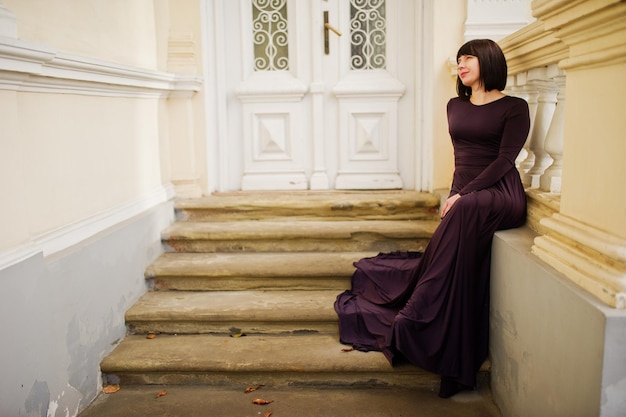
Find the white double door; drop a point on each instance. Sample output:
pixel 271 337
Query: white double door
pixel 304 107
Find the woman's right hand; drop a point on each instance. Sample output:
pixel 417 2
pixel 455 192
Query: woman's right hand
pixel 447 205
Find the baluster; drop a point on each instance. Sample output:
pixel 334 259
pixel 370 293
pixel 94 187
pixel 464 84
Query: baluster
pixel 546 103
pixel 531 96
pixel 514 89
pixel 551 178
pixel 526 158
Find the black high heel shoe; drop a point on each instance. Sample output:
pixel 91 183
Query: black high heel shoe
pixel 450 387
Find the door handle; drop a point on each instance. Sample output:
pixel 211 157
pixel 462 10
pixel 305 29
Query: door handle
pixel 327 28
pixel 331 28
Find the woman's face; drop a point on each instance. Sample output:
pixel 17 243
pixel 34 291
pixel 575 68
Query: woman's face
pixel 468 70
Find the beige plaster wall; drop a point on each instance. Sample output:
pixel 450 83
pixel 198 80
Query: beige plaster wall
pixel 65 158
pixel 162 25
pixel 121 31
pixel 594 172
pixel 448 14
pixel 11 170
pixel 184 18
pixel 180 45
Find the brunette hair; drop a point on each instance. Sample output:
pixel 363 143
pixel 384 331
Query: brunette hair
pixel 491 62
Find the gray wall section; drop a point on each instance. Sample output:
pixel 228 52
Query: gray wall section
pixel 59 316
pixel 613 400
pixel 555 350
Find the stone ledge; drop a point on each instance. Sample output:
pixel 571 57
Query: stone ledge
pixel 548 335
pixel 311 205
pixel 229 312
pixel 541 205
pixel 273 360
pixel 591 258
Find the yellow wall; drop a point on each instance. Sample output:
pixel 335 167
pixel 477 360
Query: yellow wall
pixel 65 158
pixel 180 21
pixel 594 172
pixel 449 14
pixel 121 31
pixel 79 170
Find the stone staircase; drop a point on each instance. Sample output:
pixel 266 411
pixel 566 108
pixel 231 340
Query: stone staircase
pixel 244 292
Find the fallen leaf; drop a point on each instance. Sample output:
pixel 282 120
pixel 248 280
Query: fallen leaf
pixel 250 389
pixel 110 389
pixel 347 349
pixel 268 414
pixel 161 394
pixel 261 401
pixel 150 336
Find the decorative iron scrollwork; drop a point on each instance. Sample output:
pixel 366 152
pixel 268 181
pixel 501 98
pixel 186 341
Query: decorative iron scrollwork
pixel 270 35
pixel 368 23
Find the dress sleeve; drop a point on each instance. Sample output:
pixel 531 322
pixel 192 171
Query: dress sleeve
pixel 514 134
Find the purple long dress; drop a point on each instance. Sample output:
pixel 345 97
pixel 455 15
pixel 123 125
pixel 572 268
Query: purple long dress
pixel 432 309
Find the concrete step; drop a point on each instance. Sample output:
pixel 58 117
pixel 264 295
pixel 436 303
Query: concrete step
pixel 234 312
pixel 232 401
pixel 308 360
pixel 311 205
pixel 299 236
pixel 253 271
pixel 268 265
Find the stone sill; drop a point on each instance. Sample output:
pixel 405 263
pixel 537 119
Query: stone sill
pixel 541 205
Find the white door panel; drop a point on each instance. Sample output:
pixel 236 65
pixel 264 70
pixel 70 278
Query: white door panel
pixel 301 117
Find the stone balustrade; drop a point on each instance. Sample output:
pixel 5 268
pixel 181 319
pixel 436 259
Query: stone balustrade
pixel 533 55
pixel 571 163
pixel 540 162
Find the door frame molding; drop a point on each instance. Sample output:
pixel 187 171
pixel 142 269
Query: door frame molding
pixel 424 94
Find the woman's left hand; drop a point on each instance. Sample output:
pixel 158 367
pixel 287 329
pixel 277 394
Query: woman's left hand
pixel 448 204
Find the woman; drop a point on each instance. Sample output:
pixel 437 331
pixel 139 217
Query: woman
pixel 433 308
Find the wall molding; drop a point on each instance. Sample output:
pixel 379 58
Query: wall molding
pixel 25 66
pixel 592 258
pixel 592 30
pixel 57 240
pixel 532 47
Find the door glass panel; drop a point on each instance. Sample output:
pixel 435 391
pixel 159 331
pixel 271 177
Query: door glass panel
pixel 269 25
pixel 368 23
